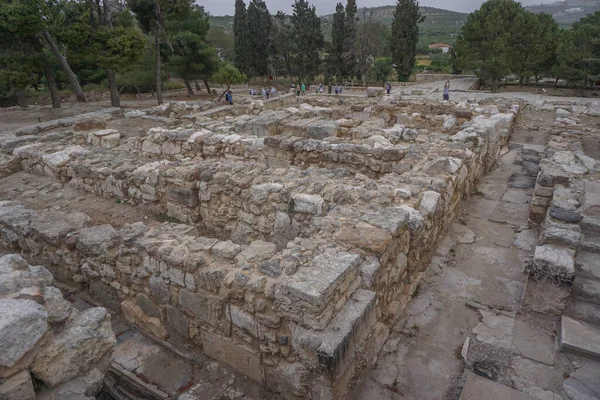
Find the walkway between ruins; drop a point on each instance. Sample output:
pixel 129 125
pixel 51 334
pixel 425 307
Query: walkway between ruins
pixel 473 288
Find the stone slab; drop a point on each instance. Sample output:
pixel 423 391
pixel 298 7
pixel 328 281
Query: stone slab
pixel 17 387
pixel 477 388
pixel 232 354
pixel 533 343
pixel 579 336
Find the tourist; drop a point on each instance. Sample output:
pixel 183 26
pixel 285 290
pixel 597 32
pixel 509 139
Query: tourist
pixel 447 91
pixel 303 89
pixel 388 87
pixel 298 90
pixel 273 92
pixel 264 94
pixel 337 89
pixel 229 97
pixel 329 88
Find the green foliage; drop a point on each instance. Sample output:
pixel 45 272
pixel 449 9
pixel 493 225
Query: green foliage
pixel 308 39
pixel 282 46
pixel 222 41
pixel 405 35
pixel 259 31
pixel 228 75
pixel 241 44
pixel 349 56
pixel 489 42
pixel 336 59
pixel 441 62
pixel 382 69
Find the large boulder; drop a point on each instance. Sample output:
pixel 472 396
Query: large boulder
pixel 374 91
pixel 322 129
pixel 77 349
pixel 22 325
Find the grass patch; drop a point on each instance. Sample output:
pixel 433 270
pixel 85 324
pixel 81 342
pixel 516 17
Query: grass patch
pixel 166 218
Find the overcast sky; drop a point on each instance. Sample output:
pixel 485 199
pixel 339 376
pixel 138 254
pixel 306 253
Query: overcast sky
pixel 223 7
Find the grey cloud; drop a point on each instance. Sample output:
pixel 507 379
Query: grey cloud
pixel 223 7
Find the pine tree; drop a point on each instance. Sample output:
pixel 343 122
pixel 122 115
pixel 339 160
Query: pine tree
pixel 308 38
pixel 350 41
pixel 490 41
pixel 405 35
pixel 259 37
pixel 338 34
pixel 241 54
pixel 282 45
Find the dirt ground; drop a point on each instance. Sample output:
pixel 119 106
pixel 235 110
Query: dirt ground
pixel 550 91
pixel 39 193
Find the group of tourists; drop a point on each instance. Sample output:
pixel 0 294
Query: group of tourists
pixel 266 93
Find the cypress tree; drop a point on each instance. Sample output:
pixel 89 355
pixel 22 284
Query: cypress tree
pixel 259 37
pixel 350 42
pixel 338 34
pixel 240 37
pixel 308 37
pixel 405 36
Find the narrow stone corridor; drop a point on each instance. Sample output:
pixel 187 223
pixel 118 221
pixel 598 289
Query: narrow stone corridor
pixel 473 290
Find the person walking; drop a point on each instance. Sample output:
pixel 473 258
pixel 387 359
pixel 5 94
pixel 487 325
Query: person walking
pixel 447 91
pixel 329 88
pixel 388 87
pixel 303 89
pixel 229 97
pixel 298 90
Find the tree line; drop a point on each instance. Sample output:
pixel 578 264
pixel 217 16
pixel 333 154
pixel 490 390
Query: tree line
pixel 62 43
pixel 266 44
pixel 502 39
pixel 136 45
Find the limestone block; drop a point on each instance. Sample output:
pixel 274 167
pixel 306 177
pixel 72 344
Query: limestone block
pixel 555 262
pixel 22 325
pixel 57 307
pixel 560 236
pixel 206 307
pixel 178 321
pixel 318 281
pixel 53 226
pixel 374 91
pixel 430 203
pixel 243 320
pixel 322 129
pixel 159 289
pixel 410 135
pixel 591 199
pixel 110 141
pixel 89 124
pixel 17 387
pixel 76 349
pixel 96 240
pixel 562 210
pixel 258 250
pixel 369 272
pixel 134 314
pixel 308 204
pixel 62 158
pixel 365 236
pixel 393 219
pixel 233 354
pixel 227 250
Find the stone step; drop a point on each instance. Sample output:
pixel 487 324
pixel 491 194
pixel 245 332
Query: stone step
pixel 582 310
pixel 586 289
pixel 579 337
pixel 590 226
pixel 587 265
pixel 477 388
pixel 590 242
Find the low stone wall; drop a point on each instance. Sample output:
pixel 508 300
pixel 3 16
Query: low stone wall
pixel 425 78
pixel 42 335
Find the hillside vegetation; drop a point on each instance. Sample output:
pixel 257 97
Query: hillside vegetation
pixel 444 25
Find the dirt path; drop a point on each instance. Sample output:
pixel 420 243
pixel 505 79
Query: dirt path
pixel 473 288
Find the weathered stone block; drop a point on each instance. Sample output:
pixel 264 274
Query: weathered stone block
pixel 178 321
pixel 308 204
pixel 233 354
pixel 183 196
pixel 206 307
pixel 22 324
pixel 17 387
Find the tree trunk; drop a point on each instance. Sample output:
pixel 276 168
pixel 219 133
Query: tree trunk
pixel 188 86
pixel 159 95
pixel 364 80
pixel 65 67
pixel 494 85
pixel 54 94
pixel 21 99
pixel 556 82
pixel 207 86
pixel 521 78
pixel 115 99
pixel 223 94
pixel 198 88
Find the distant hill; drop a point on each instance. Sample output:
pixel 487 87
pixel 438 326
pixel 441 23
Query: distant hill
pixel 567 11
pixel 444 25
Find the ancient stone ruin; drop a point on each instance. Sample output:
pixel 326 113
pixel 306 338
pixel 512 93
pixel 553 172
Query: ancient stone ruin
pixel 281 238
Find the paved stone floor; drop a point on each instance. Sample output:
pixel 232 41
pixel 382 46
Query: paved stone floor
pixel 473 288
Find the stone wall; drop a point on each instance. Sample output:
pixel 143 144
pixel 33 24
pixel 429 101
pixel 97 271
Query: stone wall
pixel 43 336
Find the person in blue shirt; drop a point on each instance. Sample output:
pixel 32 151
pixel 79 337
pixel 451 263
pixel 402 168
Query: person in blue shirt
pixel 229 97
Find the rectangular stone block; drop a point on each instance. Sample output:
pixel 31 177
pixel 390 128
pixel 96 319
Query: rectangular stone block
pixel 206 307
pixel 18 387
pixel 237 357
pixel 579 337
pixel 183 196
